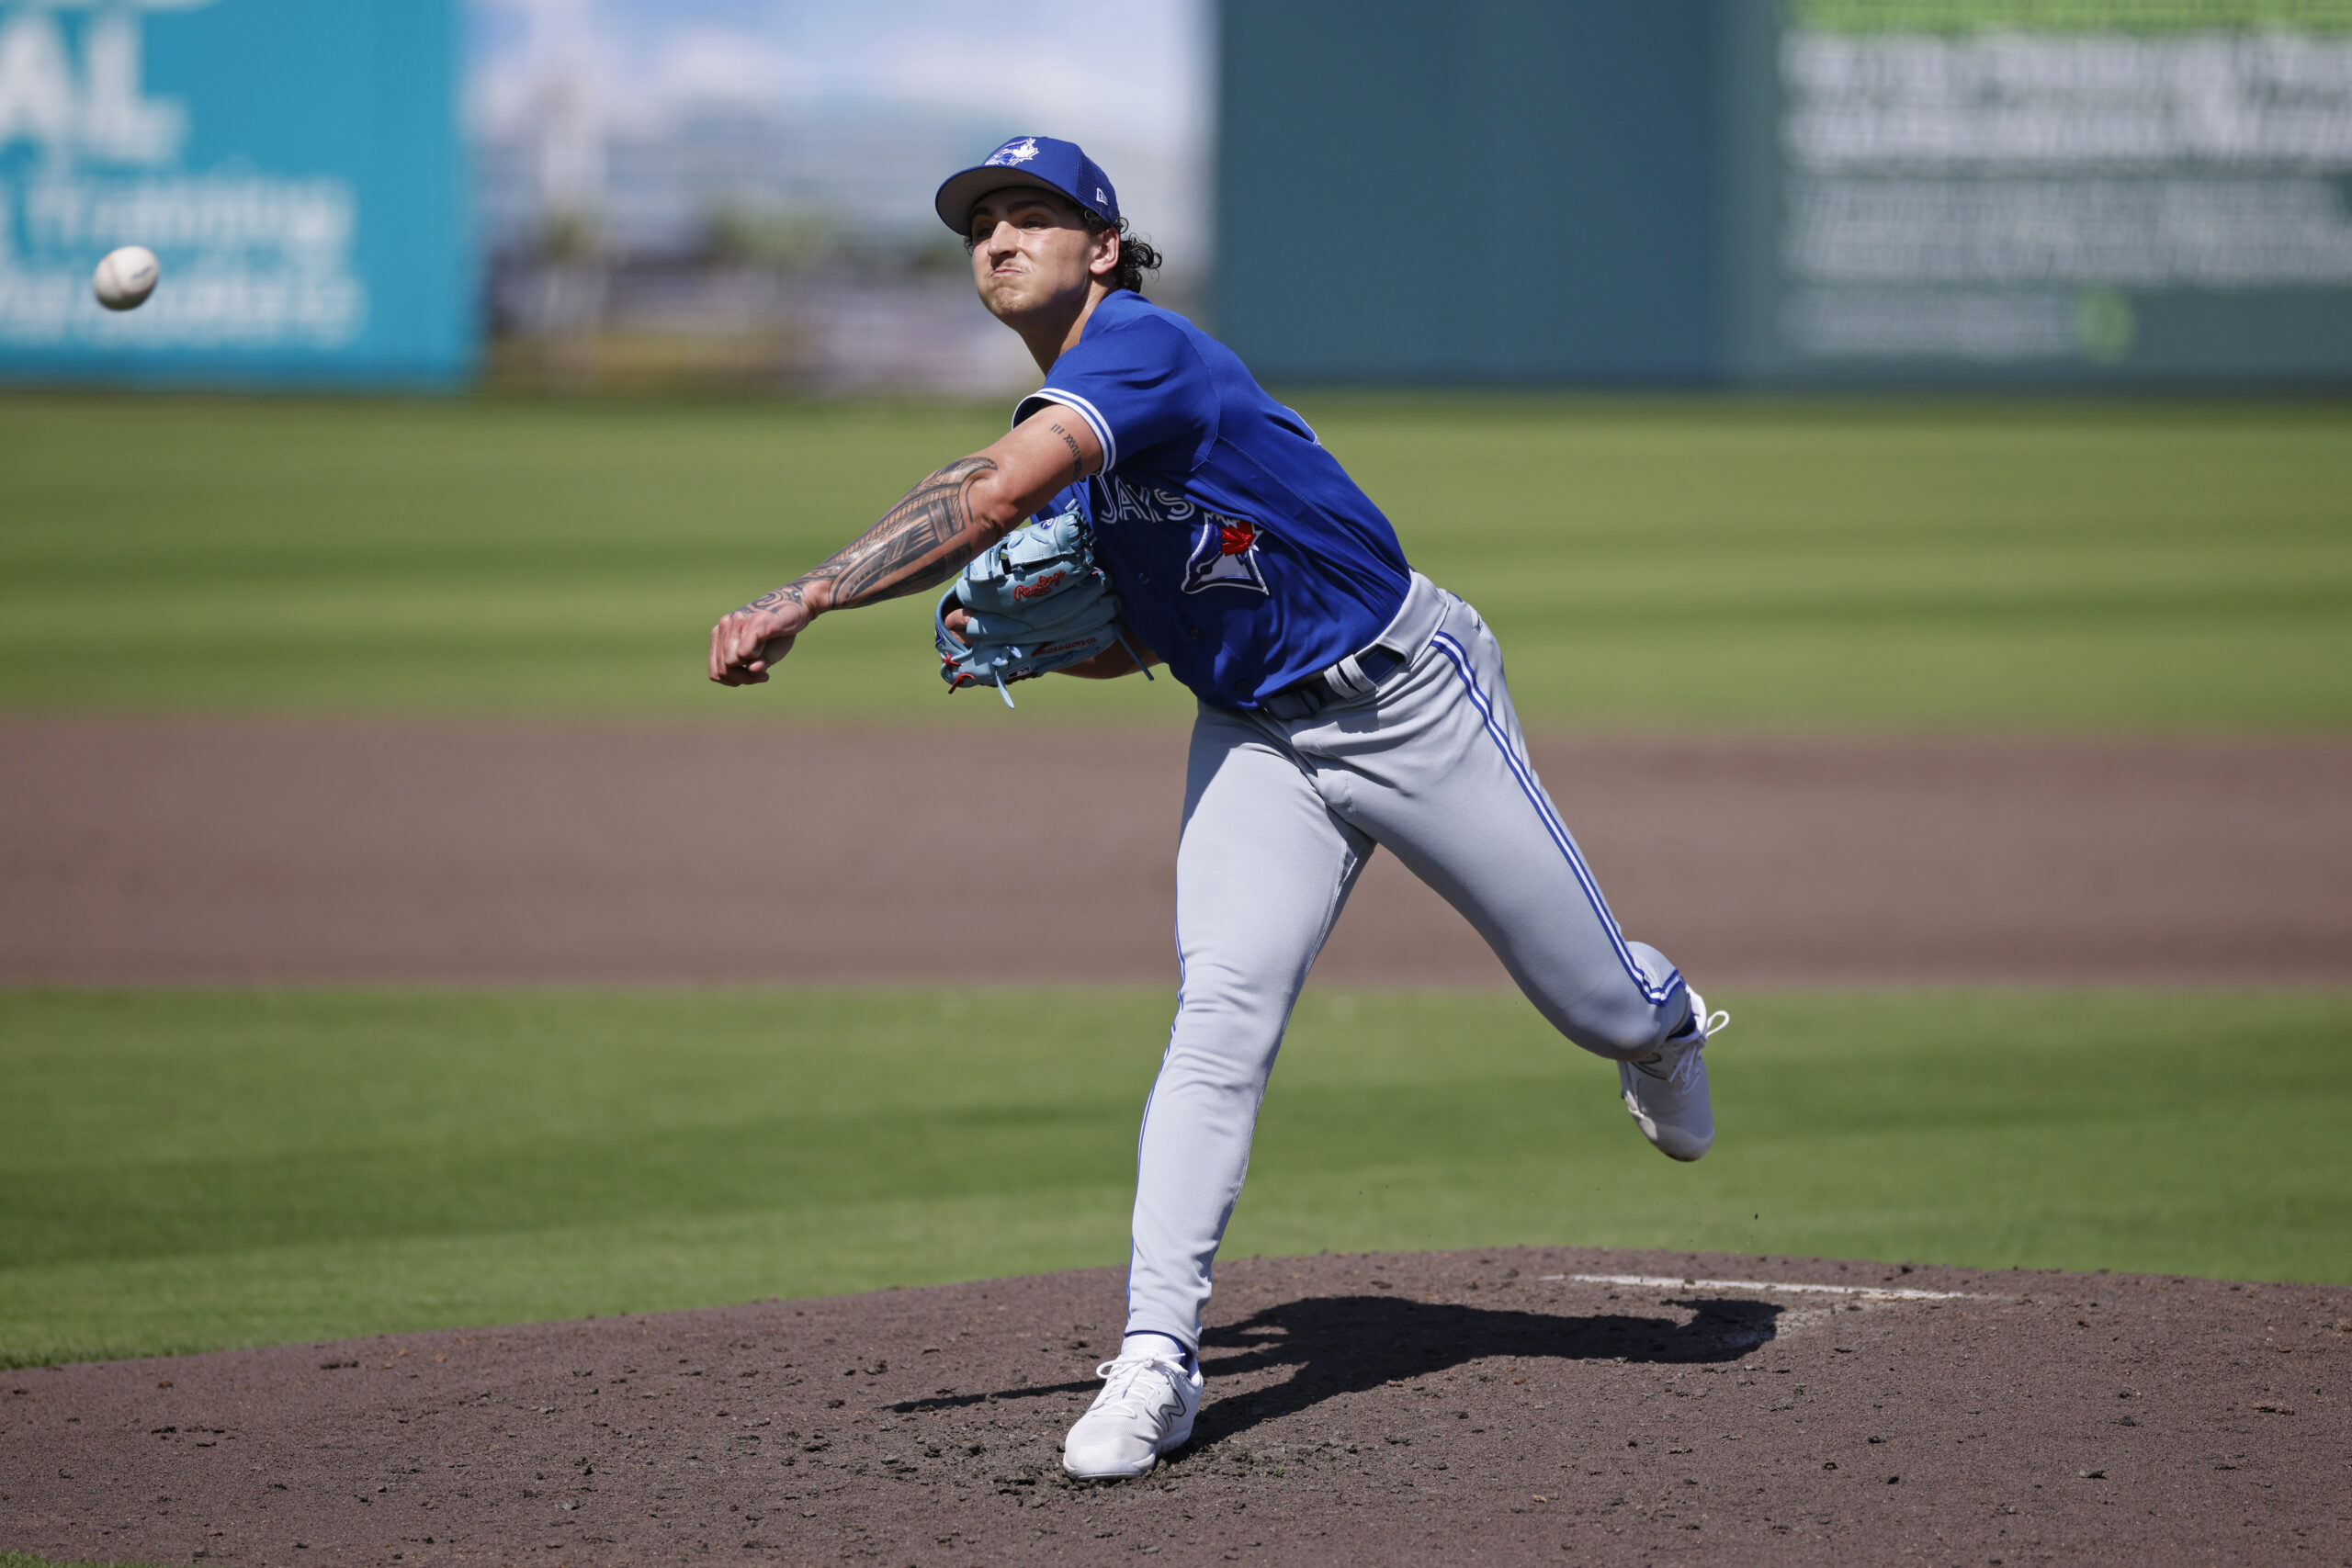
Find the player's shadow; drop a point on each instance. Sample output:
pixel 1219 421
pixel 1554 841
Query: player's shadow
pixel 1351 1344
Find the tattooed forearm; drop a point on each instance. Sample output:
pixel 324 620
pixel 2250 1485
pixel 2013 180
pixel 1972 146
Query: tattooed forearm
pixel 920 543
pixel 777 598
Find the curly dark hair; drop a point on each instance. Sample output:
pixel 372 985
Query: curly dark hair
pixel 1137 255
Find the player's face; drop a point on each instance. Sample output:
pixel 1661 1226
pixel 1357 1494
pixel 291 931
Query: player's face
pixel 1031 253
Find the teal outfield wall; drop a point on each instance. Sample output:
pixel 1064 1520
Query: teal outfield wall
pixel 1486 188
pixel 2003 192
pixel 296 164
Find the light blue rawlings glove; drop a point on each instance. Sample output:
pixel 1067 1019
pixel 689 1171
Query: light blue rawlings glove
pixel 1036 604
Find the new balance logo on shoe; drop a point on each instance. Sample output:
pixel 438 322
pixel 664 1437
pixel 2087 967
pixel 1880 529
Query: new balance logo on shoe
pixel 1145 1409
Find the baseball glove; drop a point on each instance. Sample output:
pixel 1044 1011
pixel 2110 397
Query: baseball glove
pixel 1035 602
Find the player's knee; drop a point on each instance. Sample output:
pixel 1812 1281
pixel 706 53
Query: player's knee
pixel 1618 1033
pixel 1225 1035
pixel 1616 1047
pixel 1227 995
pixel 1622 1023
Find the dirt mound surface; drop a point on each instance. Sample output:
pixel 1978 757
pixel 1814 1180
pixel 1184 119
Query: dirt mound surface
pixel 1500 1406
pixel 235 852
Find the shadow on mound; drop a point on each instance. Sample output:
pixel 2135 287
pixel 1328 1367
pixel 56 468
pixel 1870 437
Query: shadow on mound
pixel 1351 1344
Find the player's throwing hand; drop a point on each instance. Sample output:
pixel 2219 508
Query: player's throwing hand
pixel 747 643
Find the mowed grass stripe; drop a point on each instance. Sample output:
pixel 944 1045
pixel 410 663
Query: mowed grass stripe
pixel 1666 560
pixel 194 1170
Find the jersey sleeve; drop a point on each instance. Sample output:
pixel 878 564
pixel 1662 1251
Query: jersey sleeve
pixel 1143 390
pixel 1070 498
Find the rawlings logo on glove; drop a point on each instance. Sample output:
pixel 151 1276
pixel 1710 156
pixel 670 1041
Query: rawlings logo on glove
pixel 1033 603
pixel 1040 588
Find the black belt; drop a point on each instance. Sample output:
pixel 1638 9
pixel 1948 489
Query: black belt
pixel 1305 699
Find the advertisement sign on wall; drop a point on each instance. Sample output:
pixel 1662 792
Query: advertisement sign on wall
pixel 296 166
pixel 2071 188
pixel 1806 192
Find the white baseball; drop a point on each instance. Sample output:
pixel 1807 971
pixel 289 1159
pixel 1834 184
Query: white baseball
pixel 126 277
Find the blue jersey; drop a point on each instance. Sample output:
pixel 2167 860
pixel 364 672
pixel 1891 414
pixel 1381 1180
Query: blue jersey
pixel 1246 556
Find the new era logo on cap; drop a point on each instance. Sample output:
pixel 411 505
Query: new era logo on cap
pixel 1039 160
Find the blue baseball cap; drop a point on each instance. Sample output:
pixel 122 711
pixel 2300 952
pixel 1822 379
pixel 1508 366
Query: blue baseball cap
pixel 1040 161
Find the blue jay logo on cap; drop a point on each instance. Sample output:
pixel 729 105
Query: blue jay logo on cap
pixel 1012 152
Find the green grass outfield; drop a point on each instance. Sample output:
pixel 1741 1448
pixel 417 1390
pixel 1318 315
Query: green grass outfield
pixel 193 1170
pixel 1662 561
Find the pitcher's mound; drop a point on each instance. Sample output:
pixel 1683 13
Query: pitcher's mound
pixel 1509 1406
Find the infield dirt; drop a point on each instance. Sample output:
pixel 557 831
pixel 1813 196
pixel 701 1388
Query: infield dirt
pixel 265 851
pixel 1505 1407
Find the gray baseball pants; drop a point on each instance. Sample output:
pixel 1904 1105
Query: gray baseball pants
pixel 1280 818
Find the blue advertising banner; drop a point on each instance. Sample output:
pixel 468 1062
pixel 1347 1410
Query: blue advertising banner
pixel 296 166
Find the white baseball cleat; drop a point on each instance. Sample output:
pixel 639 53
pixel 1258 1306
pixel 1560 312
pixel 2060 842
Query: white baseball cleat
pixel 1666 1090
pixel 1145 1409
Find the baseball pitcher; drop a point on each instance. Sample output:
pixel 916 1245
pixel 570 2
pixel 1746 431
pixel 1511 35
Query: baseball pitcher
pixel 1152 505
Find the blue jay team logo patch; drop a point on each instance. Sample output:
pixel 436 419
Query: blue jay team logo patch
pixel 1224 555
pixel 1012 153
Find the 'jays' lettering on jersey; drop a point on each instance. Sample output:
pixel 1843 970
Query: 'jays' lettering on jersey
pixel 1246 556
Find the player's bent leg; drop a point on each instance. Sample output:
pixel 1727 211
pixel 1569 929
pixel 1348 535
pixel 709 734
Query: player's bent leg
pixel 1262 871
pixel 1457 800
pixel 1444 782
